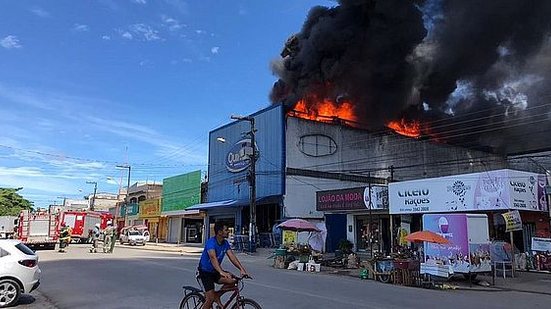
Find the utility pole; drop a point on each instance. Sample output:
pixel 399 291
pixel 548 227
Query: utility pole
pixel 370 216
pixel 92 204
pixel 252 182
pixel 126 199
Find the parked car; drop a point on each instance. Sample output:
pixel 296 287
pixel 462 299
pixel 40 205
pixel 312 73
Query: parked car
pixel 132 237
pixel 19 271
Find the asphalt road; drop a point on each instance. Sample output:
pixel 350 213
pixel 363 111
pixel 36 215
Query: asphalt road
pixel 132 278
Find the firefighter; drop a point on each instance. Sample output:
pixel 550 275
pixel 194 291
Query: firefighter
pixel 109 242
pixel 64 237
pixel 95 238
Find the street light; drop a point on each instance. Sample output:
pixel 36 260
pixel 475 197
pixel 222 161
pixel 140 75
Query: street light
pixel 126 166
pixel 95 183
pixel 252 182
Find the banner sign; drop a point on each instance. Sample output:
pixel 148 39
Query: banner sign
pixel 493 190
pixel 150 208
pixel 352 199
pixel 541 244
pixel 513 222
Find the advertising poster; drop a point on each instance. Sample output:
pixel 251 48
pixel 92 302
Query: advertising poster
pixel 541 244
pixel 493 190
pixel 459 254
pixel 513 222
pixel 289 237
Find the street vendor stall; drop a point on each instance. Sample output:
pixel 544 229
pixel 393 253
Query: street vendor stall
pixel 291 250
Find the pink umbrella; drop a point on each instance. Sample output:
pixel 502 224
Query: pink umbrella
pixel 298 225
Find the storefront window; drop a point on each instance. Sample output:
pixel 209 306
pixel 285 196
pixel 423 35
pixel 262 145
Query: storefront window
pixel 367 233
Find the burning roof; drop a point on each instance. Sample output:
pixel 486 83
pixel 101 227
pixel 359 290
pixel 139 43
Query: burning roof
pixel 463 71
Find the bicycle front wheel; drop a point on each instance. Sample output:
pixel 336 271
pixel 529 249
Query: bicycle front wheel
pixel 193 300
pixel 246 303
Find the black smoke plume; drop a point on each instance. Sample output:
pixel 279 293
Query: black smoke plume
pixel 467 66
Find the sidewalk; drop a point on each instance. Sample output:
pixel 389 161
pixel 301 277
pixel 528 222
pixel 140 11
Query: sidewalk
pixel 526 282
pixel 167 247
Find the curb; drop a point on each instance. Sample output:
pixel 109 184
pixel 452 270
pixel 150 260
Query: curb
pixel 161 248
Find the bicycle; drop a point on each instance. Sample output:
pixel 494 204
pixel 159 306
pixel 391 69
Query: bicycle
pixel 194 297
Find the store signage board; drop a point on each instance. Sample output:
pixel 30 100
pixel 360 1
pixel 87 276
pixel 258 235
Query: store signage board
pixel 492 190
pixel 541 244
pixel 513 222
pixel 352 199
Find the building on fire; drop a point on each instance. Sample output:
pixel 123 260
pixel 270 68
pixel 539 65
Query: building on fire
pixel 321 170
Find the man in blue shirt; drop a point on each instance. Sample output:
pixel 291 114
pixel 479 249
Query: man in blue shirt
pixel 210 271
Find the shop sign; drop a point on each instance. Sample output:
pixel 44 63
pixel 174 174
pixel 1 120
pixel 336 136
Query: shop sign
pixel 493 190
pixel 513 222
pixel 150 208
pixel 352 199
pixel 541 244
pixel 239 156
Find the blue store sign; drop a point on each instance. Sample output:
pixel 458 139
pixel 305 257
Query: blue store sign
pixel 238 157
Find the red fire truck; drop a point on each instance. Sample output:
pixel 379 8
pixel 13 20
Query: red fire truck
pixel 37 229
pixel 82 222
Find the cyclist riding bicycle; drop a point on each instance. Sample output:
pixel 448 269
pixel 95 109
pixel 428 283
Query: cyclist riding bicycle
pixel 210 271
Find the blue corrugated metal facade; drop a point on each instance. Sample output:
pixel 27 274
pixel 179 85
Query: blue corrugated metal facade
pixel 232 185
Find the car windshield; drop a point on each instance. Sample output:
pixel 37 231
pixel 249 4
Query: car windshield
pixel 135 233
pixel 25 249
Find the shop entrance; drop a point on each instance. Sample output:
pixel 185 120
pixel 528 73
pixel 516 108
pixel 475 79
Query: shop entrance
pixel 373 233
pixel 192 231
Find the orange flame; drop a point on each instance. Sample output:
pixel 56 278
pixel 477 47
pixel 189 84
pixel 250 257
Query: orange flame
pixel 325 111
pixel 406 128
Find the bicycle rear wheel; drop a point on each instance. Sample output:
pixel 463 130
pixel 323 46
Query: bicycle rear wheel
pixel 193 300
pixel 246 303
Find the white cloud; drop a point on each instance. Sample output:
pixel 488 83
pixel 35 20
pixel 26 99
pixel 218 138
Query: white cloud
pixel 215 50
pixel 187 60
pixel 81 28
pixel 199 31
pixel 145 32
pixel 11 41
pixel 171 23
pixel 140 1
pixel 106 37
pixel 40 12
pixel 127 35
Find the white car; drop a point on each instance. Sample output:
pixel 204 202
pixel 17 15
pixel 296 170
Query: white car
pixel 132 237
pixel 19 272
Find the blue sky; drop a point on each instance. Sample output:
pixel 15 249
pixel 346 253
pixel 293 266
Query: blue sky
pixel 86 85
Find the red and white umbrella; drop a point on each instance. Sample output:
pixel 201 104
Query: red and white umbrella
pixel 298 225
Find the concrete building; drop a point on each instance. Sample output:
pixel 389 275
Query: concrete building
pixel 103 201
pixel 298 158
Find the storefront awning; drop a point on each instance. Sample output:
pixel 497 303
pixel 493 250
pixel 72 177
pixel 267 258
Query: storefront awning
pixel 235 203
pixel 226 203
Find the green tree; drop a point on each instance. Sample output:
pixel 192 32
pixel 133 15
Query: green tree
pixel 11 203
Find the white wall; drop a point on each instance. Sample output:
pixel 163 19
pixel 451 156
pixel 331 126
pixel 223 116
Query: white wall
pixel 360 150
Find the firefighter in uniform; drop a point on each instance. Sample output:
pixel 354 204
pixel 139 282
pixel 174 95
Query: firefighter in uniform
pixel 64 237
pixel 109 242
pixel 95 238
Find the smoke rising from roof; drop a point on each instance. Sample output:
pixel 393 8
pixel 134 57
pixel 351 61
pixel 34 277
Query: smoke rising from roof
pixel 487 61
